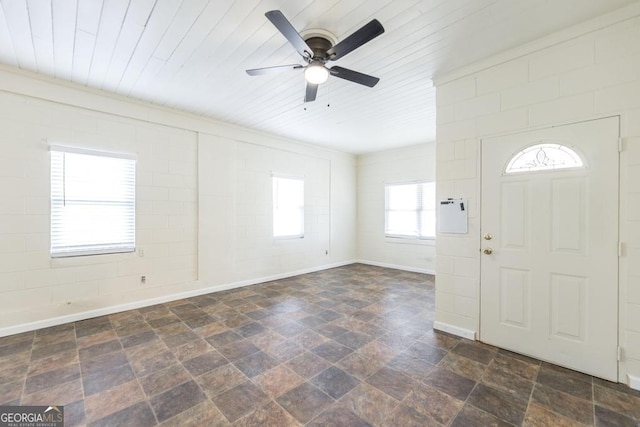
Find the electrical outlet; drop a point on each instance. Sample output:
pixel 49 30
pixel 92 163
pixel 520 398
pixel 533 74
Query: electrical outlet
pixel 140 252
pixel 143 279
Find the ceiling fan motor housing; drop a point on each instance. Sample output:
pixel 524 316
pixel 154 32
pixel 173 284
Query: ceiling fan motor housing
pixel 320 46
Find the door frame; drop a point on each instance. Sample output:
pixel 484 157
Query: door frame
pixel 619 300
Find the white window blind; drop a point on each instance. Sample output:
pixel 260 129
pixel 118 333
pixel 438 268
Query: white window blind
pixel 410 210
pixel 92 202
pixel 288 207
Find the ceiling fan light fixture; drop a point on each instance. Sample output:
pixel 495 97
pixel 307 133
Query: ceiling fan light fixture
pixel 316 74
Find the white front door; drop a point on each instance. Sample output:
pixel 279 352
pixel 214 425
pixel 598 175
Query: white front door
pixel 549 261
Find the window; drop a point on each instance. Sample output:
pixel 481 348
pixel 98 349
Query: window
pixel 544 157
pixel 288 207
pixel 410 210
pixel 92 202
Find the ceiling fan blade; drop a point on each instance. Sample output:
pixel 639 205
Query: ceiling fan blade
pixel 365 34
pixel 354 76
pixel 284 26
pixel 273 70
pixel 310 92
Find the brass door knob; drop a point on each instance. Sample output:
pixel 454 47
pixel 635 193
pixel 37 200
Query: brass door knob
pixel 488 251
pixel 488 236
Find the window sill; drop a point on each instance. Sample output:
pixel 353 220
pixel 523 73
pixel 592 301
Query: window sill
pixel 410 241
pixel 89 259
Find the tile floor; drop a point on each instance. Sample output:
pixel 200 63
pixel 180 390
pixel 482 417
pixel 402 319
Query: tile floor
pixel 351 346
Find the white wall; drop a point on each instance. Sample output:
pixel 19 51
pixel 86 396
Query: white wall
pixel 587 72
pixel 415 163
pixel 36 291
pixel 235 191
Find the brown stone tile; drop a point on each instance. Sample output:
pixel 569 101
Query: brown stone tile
pixel 622 388
pixel 104 362
pixel 515 366
pixel 224 338
pixel 606 417
pixel 451 383
pixel 564 404
pixel 369 403
pixel 99 338
pixel 176 400
pixel 331 330
pixel 473 351
pixel 62 394
pixel 360 366
pixel 210 329
pixel 623 403
pixel 310 339
pixel 10 392
pixel 99 349
pixel 240 400
pixel 540 416
pixel 191 349
pixel 440 340
pixel 176 340
pixel 277 381
pixel 394 383
pixel 40 352
pixel 107 379
pixel 202 414
pixel 515 385
pixel 92 326
pixel 566 383
pixel 406 416
pixel 148 365
pixel 138 339
pixel 14 348
pixel 433 403
pixel 113 400
pixel 498 403
pixel 268 415
pixel 17 338
pixel 334 382
pixel 463 366
pixel 332 351
pixel 255 363
pixel 13 374
pixel 74 413
pixel 470 416
pixel 353 340
pixel 52 378
pixel 304 402
pixel 165 379
pixel 250 329
pixel 221 379
pixel 53 338
pixel 378 351
pixel 308 365
pixel 337 416
pixel 566 372
pixel 238 350
pixel 205 363
pixel 415 367
pixel 139 415
pixel 133 329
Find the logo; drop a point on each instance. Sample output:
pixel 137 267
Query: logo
pixel 31 416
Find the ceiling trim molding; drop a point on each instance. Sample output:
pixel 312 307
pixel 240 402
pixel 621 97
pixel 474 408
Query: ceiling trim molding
pixel 617 16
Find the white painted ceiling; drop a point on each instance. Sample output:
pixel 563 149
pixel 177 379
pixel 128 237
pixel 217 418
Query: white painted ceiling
pixel 191 55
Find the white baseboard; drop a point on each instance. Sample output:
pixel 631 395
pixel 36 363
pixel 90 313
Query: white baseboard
pixel 633 382
pixel 454 330
pixel 103 311
pixel 397 267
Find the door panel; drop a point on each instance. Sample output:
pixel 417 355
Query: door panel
pixel 549 286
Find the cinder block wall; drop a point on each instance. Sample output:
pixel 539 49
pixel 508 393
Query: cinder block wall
pixel 591 71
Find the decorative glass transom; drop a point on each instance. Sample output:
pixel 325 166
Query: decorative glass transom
pixel 541 157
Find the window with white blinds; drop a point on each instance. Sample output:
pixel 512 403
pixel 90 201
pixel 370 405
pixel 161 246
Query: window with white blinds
pixel 92 202
pixel 410 210
pixel 288 207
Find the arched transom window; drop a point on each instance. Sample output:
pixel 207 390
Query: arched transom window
pixel 541 157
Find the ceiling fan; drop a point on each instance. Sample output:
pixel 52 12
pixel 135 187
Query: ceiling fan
pixel 317 50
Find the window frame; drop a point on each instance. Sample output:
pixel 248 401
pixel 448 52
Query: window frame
pixel 301 208
pixel 419 211
pixel 99 248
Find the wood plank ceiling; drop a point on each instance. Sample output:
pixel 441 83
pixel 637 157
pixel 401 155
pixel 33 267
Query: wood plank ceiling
pixel 191 55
